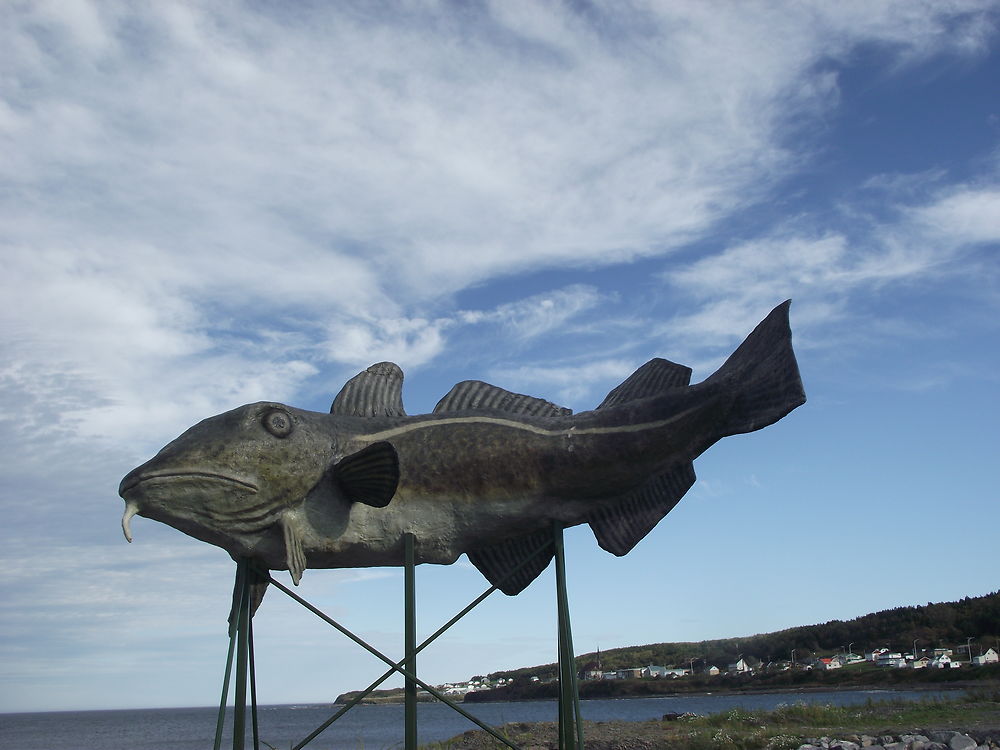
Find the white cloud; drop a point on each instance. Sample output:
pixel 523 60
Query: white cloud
pixel 410 342
pixel 963 216
pixel 823 273
pixel 183 172
pixel 536 315
pixel 567 383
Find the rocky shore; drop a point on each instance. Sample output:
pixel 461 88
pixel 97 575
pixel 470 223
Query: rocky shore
pixel 617 735
pixel 932 740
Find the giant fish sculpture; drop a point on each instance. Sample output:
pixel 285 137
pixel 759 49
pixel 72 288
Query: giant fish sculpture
pixel 488 473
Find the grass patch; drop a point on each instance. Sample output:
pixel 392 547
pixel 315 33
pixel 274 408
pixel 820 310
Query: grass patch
pixel 785 728
pixel 788 726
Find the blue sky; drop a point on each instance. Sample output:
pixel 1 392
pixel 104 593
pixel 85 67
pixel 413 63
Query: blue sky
pixel 205 205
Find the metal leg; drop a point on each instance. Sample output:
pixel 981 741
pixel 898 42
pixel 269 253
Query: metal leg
pixel 240 647
pixel 242 661
pixel 233 627
pixel 570 725
pixel 255 730
pixel 410 645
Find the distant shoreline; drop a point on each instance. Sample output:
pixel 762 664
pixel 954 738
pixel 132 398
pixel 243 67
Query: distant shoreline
pixel 392 696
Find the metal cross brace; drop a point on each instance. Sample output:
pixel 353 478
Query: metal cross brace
pixel 570 726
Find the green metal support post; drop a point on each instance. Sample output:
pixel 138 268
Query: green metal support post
pixel 233 628
pixel 240 647
pixel 570 724
pixel 242 650
pixel 410 644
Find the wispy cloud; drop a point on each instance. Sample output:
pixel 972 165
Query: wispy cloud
pixel 182 173
pixel 570 381
pixel 539 314
pixel 826 272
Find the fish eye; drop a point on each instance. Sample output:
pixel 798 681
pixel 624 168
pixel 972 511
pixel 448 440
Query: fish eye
pixel 278 422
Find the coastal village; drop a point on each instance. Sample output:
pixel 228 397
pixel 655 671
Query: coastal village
pixel 936 658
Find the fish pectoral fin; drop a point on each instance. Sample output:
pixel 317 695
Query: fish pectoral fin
pixel 622 522
pixel 369 476
pixel 375 392
pixel 470 395
pixel 514 563
pixel 652 379
pixel 295 556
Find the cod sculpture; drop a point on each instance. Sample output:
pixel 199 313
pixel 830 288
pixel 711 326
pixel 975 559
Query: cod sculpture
pixel 487 473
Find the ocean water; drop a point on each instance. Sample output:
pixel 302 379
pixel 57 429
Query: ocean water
pixel 362 728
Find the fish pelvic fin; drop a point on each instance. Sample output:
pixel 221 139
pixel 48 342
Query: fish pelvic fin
pixel 513 563
pixel 763 375
pixel 471 395
pixel 295 556
pixel 651 379
pixel 375 392
pixel 622 522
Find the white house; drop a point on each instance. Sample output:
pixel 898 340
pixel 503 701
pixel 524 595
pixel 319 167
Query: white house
pixel 873 655
pixel 940 662
pixel 827 663
pixel 990 657
pixel 890 659
pixel 711 670
pixel 740 667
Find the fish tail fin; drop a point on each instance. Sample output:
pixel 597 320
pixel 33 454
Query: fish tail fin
pixel 763 374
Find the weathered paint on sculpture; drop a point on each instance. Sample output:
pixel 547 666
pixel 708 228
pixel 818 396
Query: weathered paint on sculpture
pixel 487 473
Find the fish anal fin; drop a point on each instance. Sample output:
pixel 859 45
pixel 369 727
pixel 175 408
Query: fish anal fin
pixel 622 522
pixel 369 476
pixel 375 392
pixel 497 561
pixel 651 379
pixel 471 395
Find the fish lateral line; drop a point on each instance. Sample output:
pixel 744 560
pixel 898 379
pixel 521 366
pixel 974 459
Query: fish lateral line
pixel 570 431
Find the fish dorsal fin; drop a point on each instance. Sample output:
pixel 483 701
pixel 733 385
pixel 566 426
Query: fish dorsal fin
pixel 651 379
pixel 471 395
pixel 502 566
pixel 375 392
pixel 369 476
pixel 622 522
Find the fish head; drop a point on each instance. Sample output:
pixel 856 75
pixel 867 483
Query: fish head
pixel 230 477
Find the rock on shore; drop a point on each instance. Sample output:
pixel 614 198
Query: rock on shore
pixel 936 740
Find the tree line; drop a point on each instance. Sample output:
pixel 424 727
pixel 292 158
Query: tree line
pixel 943 624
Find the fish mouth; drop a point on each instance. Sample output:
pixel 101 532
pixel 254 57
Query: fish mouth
pixel 130 482
pixel 132 506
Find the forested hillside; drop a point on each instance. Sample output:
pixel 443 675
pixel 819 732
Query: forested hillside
pixel 945 624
